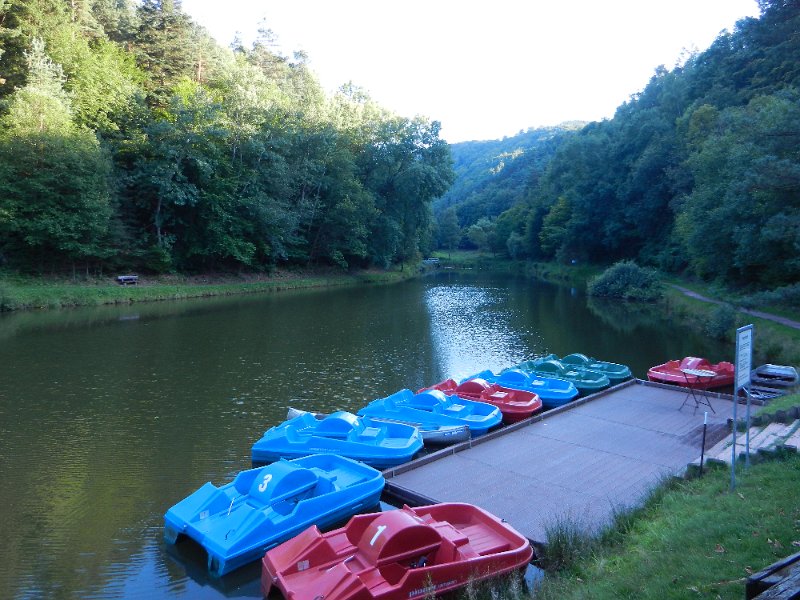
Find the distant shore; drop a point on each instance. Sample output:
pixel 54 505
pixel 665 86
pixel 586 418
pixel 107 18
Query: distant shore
pixel 35 293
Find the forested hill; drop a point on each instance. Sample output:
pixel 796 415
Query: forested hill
pixel 490 174
pixel 698 172
pixel 129 139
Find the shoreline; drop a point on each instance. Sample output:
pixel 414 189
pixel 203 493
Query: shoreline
pixel 31 294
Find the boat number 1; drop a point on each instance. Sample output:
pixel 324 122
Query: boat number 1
pixel 377 533
pixel 263 486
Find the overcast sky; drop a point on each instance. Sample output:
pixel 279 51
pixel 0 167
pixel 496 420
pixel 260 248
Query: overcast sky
pixel 483 69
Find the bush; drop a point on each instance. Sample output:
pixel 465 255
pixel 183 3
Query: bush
pixel 628 281
pixel 788 295
pixel 722 322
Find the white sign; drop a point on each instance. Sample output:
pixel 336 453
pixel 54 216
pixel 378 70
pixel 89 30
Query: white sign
pixel 744 356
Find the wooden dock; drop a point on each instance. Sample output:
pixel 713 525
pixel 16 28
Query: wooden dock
pixel 581 462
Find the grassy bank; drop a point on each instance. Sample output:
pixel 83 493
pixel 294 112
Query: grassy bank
pixel 473 260
pixel 21 293
pixel 577 275
pixel 692 539
pixel 773 342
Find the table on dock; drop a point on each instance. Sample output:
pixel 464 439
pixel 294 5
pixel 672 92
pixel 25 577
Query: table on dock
pixel 581 463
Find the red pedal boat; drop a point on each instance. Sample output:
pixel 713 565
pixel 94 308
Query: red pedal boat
pixel 394 555
pixel 673 372
pixel 515 405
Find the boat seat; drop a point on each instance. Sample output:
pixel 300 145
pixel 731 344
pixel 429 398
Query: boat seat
pixel 397 536
pixel 370 433
pixel 281 481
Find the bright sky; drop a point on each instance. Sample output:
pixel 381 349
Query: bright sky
pixel 483 69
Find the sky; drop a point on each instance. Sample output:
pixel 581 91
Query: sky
pixel 483 69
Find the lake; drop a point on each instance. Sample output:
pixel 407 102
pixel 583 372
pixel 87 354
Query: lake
pixel 109 416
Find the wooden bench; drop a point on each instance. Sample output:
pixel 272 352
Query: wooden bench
pixel 127 279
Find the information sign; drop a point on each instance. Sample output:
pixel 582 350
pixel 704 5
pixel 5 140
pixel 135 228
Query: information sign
pixel 744 356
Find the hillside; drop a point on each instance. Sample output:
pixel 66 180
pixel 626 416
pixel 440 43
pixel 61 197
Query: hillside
pixel 698 173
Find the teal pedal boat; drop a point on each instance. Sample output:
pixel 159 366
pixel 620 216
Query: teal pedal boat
pixel 238 522
pixel 587 382
pixel 377 443
pixel 616 373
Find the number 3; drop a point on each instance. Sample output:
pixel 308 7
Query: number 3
pixel 263 486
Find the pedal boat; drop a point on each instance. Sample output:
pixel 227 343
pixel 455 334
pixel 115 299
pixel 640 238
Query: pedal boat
pixel 376 443
pixel 237 522
pixel 514 405
pixel 433 407
pixel 407 553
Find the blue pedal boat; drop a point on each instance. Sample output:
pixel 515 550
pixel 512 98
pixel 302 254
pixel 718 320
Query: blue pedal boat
pixel 238 522
pixel 434 408
pixel 553 392
pixel 376 443
pixel 587 382
pixel 432 434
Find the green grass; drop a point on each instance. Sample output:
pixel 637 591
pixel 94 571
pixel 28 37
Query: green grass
pixel 20 293
pixel 780 403
pixel 773 342
pixel 695 539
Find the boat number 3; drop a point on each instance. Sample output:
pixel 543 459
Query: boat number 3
pixel 377 533
pixel 263 486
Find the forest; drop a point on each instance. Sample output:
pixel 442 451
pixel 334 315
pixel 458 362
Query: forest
pixel 131 140
pixel 699 173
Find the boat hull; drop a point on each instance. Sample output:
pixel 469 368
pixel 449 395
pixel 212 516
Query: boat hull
pixel 587 382
pixel 616 372
pixel 406 553
pixel 432 435
pixel 236 523
pixel 671 372
pixel 514 405
pixel 379 444
pixel 553 392
pixel 433 408
pixel 774 376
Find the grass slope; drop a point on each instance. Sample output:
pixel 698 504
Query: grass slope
pixel 693 540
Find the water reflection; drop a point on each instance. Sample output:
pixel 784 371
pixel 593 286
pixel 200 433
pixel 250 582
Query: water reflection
pixel 470 329
pixel 625 317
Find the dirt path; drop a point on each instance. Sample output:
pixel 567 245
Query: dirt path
pixel 755 313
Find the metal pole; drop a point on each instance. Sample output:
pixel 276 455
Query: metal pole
pixel 733 437
pixel 747 434
pixel 703 446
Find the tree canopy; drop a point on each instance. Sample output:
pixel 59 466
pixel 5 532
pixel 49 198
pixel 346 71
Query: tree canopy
pixel 130 139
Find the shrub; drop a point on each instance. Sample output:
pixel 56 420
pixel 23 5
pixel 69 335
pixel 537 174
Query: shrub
pixel 628 281
pixel 788 295
pixel 721 322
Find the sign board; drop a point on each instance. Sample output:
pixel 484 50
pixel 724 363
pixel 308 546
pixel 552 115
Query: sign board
pixel 744 356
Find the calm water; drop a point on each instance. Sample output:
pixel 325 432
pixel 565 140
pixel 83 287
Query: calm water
pixel 109 416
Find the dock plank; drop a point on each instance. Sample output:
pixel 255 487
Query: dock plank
pixel 582 464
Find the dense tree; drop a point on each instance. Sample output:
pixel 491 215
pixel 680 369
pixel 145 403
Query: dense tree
pixel 136 141
pixel 55 194
pixel 448 232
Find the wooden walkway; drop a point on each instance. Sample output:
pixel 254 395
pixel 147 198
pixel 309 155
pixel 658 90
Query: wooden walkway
pixel 581 462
